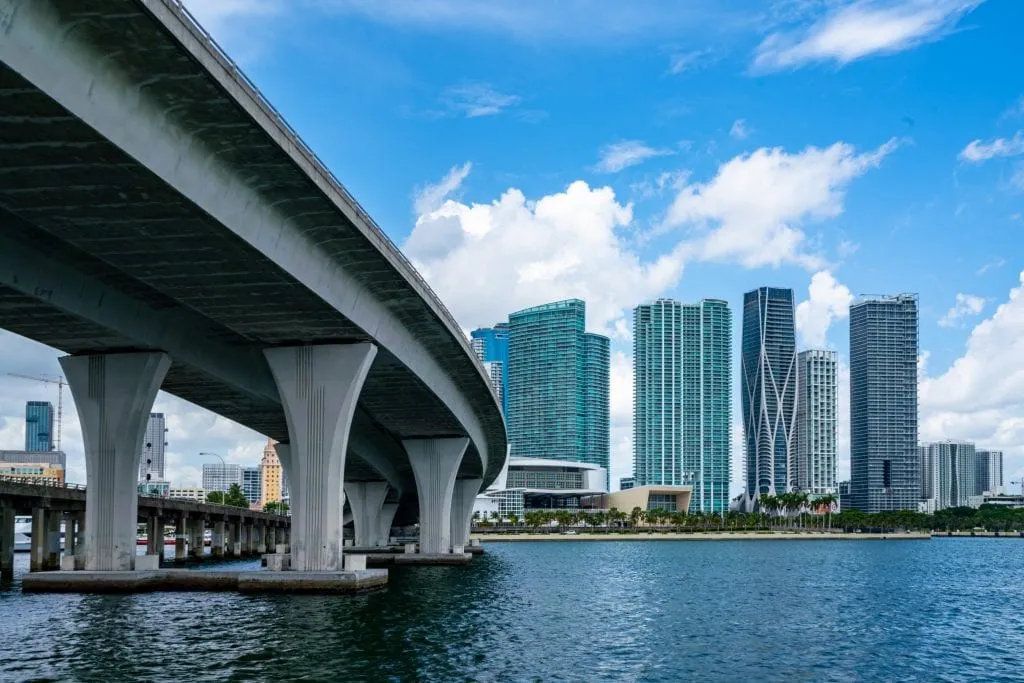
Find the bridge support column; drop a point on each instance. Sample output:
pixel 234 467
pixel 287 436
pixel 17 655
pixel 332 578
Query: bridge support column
pixel 114 394
pixel 248 542
pixel 387 516
pixel 367 501
pixel 155 536
pixel 6 542
pixel 71 534
pixel 319 387
pixel 236 539
pixel 180 538
pixel 45 547
pixel 463 497
pixel 197 545
pixel 261 538
pixel 435 462
pixel 218 540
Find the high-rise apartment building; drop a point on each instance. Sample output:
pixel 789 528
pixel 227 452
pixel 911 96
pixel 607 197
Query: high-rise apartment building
pixel 38 426
pixel 626 483
pixel 682 408
pixel 948 472
pixel 491 347
pixel 884 458
pixel 768 383
pixel 989 475
pixel 154 445
pixel 220 476
pixel 271 475
pixel 558 375
pixel 816 421
pixel 252 487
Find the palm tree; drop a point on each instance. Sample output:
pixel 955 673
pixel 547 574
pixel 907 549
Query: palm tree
pixel 513 520
pixel 828 500
pixel 635 515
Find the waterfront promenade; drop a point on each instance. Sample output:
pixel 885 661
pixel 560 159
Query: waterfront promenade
pixel 709 536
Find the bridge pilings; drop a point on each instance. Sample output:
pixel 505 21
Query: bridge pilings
pixel 367 501
pixel 435 463
pixel 6 542
pixel 45 546
pixel 387 516
pixel 463 497
pixel 319 387
pixel 114 395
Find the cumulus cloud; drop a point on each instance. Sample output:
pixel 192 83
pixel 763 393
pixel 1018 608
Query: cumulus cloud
pixel 966 305
pixel 978 151
pixel 828 300
pixel 862 29
pixel 739 129
pixel 486 260
pixel 980 397
pixel 620 155
pixel 752 211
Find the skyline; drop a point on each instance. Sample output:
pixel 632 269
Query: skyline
pixel 915 192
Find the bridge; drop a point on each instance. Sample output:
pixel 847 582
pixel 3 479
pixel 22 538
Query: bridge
pixel 236 532
pixel 163 226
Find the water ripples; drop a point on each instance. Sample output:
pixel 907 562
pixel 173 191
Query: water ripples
pixel 943 610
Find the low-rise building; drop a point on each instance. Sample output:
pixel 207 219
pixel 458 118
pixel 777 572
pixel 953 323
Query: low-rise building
pixel 195 493
pixel 541 484
pixel 46 474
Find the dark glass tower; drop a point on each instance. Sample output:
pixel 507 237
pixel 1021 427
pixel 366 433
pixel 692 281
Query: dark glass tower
pixel 884 457
pixel 39 426
pixel 769 377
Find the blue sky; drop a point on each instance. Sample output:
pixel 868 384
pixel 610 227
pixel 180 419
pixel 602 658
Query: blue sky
pixel 523 152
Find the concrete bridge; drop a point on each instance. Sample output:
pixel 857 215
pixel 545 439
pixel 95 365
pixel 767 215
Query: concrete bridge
pixel 236 532
pixel 162 225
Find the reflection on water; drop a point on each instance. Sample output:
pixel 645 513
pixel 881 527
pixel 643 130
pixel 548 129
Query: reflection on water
pixel 575 611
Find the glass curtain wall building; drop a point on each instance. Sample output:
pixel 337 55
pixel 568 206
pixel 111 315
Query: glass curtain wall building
pixel 816 421
pixel 884 459
pixel 558 391
pixel 948 471
pixel 682 410
pixel 252 487
pixel 989 477
pixel 491 347
pixel 154 446
pixel 769 379
pixel 38 426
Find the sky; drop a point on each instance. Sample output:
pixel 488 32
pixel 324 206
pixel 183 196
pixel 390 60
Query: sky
pixel 522 151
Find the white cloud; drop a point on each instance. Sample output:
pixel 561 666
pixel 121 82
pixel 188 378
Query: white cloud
pixel 473 100
pixel 991 265
pixel 576 20
pixel 620 155
pixel 828 300
pixel 681 62
pixel 981 396
pixel 739 129
pixel 843 421
pixel 753 209
pixel 862 29
pixel 430 197
pixel 847 248
pixel 486 260
pixel 978 151
pixel 966 305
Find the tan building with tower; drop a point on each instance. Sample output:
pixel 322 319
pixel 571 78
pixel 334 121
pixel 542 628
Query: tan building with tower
pixel 270 475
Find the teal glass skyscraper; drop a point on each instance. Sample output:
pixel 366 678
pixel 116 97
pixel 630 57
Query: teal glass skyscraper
pixel 38 426
pixel 558 385
pixel 682 410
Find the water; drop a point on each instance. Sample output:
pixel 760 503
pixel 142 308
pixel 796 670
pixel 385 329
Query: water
pixel 940 610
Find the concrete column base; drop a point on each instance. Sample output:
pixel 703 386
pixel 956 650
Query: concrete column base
pixel 435 462
pixel 67 563
pixel 145 563
pixel 278 562
pixel 354 563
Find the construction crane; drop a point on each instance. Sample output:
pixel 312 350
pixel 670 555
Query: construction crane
pixel 60 396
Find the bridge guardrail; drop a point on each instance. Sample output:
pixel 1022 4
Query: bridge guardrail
pixel 387 243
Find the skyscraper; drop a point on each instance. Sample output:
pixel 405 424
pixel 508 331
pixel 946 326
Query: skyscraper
pixel 884 459
pixel 816 419
pixel 220 476
pixel 38 426
pixel 558 385
pixel 948 471
pixel 769 378
pixel 252 487
pixel 491 347
pixel 154 444
pixel 271 475
pixel 989 476
pixel 682 412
